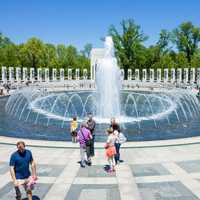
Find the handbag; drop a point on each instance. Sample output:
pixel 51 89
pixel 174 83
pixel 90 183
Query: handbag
pixel 87 142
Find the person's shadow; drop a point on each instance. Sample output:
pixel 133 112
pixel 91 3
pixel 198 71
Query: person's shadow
pixel 34 198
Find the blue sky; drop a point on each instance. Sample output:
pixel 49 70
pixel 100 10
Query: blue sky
pixel 79 22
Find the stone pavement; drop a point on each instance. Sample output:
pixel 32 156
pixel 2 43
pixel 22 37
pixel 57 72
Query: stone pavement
pixel 159 173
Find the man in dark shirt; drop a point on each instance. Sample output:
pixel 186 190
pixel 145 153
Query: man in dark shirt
pixel 91 126
pixel 19 169
pixel 114 125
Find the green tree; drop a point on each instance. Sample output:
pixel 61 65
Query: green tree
pixel 31 53
pixel 187 37
pixel 9 55
pixel 71 55
pixel 4 41
pixel 49 58
pixel 128 44
pixel 195 60
pixel 181 60
pixel 61 55
pixel 87 49
pixel 163 42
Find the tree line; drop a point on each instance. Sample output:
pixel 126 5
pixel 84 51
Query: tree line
pixel 176 48
pixel 35 53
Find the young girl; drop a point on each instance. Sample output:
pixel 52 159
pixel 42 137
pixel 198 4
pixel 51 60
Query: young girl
pixel 73 129
pixel 110 149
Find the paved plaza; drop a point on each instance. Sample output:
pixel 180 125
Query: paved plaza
pixel 150 173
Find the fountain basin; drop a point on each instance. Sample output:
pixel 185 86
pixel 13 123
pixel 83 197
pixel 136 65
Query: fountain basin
pixel 145 115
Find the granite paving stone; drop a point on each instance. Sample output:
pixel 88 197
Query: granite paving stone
pixel 165 191
pixel 148 170
pixel 96 192
pixel 190 166
pixel 94 171
pixel 8 191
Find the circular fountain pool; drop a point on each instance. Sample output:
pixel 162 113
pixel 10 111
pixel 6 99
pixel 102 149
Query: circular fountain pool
pixel 144 115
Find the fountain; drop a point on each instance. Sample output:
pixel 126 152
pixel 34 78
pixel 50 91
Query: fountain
pixel 108 83
pixel 145 113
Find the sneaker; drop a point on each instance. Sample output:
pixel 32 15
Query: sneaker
pixel 89 163
pixel 83 166
pixel 18 197
pixel 110 171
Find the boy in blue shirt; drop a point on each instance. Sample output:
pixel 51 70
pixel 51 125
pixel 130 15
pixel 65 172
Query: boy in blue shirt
pixel 19 169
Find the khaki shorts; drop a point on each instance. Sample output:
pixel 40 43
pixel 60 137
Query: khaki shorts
pixel 24 182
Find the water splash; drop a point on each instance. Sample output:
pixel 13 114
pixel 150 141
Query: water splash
pixel 108 83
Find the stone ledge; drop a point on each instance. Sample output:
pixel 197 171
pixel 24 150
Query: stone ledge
pixel 100 145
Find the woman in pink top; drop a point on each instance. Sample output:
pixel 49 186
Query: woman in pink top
pixel 83 136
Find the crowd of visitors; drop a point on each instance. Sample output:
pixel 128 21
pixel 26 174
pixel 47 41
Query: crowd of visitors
pixel 22 159
pixel 86 138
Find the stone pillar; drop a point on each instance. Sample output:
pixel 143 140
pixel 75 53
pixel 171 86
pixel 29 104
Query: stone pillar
pixel 179 75
pixel 62 74
pixel 69 74
pixel 39 74
pixel 151 77
pixel 144 75
pixel 11 74
pixel 4 74
pixel 77 74
pixel 46 74
pixel 18 74
pixel 137 75
pixel 54 74
pixel 85 74
pixel 192 75
pixel 173 77
pixel 25 74
pixel 159 75
pixel 32 75
pixel 129 74
pixel 185 75
pixel 198 76
pixel 122 74
pixel 166 75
